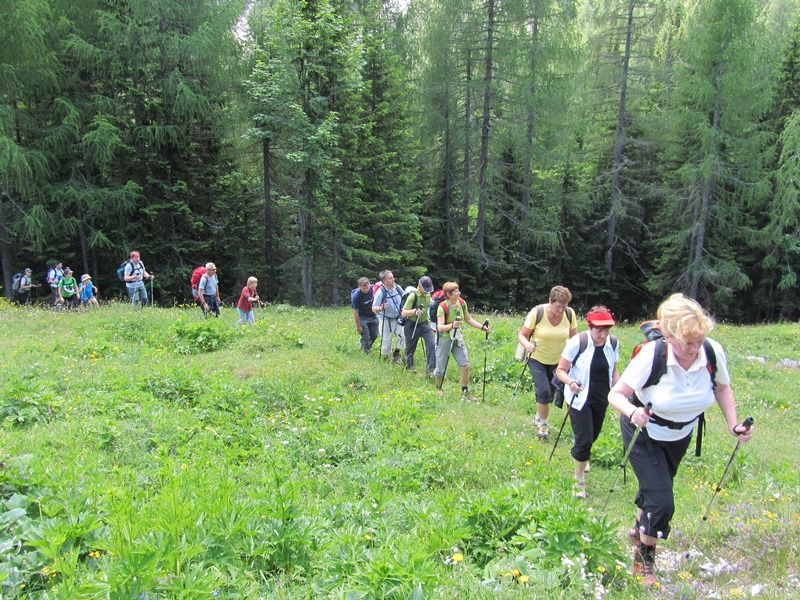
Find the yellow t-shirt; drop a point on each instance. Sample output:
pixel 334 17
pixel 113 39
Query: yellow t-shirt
pixel 551 340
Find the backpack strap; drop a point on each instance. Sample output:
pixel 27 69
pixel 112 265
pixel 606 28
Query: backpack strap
pixel 614 343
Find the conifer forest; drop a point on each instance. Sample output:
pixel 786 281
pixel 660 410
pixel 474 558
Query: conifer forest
pixel 624 148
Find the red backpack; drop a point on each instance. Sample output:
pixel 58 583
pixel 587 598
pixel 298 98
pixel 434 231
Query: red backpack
pixel 195 281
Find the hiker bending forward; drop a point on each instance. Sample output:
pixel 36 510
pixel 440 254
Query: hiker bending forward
pixel 588 369
pixel 694 373
pixel 450 316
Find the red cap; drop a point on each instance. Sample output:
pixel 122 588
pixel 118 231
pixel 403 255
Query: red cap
pixel 600 318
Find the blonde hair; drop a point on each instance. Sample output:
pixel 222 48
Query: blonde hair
pixel 682 318
pixel 251 280
pixel 449 287
pixel 560 294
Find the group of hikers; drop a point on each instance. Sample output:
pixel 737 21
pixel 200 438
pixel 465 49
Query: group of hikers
pixel 661 395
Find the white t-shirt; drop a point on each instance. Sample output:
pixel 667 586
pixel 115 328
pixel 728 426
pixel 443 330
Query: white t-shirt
pixel 681 394
pixel 579 371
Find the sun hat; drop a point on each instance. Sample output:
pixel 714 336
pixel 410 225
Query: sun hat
pixel 85 276
pixel 601 317
pixel 426 284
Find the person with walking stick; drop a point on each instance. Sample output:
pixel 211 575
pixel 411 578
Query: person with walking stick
pixel 662 393
pixel 134 275
pixel 551 324
pixel 417 325
pixel 386 304
pixel 588 369
pixel 450 315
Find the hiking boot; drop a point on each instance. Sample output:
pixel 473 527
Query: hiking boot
pixel 467 395
pixel 579 490
pixel 396 357
pixel 543 430
pixel 429 374
pixel 636 543
pixel 439 381
pixel 644 569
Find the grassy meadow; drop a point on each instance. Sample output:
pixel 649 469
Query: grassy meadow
pixel 152 454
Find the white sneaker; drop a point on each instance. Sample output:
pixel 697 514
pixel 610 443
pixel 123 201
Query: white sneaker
pixel 543 430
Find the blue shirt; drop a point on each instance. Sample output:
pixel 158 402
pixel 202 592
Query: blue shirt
pixel 208 285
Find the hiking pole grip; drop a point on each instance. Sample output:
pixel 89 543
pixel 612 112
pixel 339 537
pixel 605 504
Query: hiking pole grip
pixel 747 424
pixel 486 328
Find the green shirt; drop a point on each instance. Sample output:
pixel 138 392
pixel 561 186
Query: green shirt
pixel 68 287
pixel 417 300
pixel 457 311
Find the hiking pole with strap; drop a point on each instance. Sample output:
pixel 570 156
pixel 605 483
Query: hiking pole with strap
pixel 516 386
pixel 151 291
pixel 747 424
pixel 485 349
pixel 625 456
pixel 560 429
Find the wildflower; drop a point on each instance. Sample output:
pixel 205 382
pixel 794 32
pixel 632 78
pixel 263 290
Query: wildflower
pixel 685 575
pixel 566 561
pixel 516 573
pixel 522 579
pixel 586 538
pixel 368 537
pixel 601 569
pixel 457 557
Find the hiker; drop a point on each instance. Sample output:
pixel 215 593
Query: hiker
pixel 134 276
pixel 55 273
pixel 450 315
pixel 542 337
pixel 247 298
pixel 208 290
pixel 68 290
pixel 88 291
pixel 691 380
pixel 417 325
pixel 366 323
pixel 386 304
pixel 588 369
pixel 25 285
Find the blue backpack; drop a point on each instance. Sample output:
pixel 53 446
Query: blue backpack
pixel 121 270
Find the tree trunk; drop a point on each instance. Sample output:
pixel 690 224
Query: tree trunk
pixel 269 225
pixel 449 175
pixel 467 139
pixel 6 260
pixel 480 228
pixel 698 239
pixel 527 174
pixel 616 209
pixel 305 224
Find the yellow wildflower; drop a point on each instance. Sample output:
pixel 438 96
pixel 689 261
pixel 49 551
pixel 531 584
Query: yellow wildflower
pixel 523 579
pixel 457 557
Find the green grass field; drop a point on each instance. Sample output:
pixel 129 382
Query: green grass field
pixel 152 454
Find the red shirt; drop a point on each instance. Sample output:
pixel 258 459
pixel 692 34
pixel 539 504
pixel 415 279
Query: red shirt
pixel 244 300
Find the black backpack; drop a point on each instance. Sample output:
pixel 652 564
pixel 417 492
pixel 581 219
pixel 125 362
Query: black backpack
pixel 657 371
pixel 403 320
pixel 557 384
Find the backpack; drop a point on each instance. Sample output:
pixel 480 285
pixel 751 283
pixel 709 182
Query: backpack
pixel 653 334
pixel 403 320
pixel 438 298
pixel 197 275
pixel 15 281
pixel 519 353
pixel 557 384
pixel 121 270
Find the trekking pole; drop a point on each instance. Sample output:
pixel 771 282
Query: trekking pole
pixel 485 349
pixel 747 424
pixel 625 457
pixel 516 386
pixel 560 429
pixel 151 291
pixel 447 360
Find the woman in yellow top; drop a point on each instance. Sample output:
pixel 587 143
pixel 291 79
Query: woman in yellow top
pixel 543 336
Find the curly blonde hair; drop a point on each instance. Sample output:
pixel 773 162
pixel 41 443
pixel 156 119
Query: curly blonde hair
pixel 682 317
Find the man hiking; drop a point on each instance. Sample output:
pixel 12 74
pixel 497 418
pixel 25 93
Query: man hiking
pixel 366 324
pixel 134 276
pixel 417 325
pixel 386 304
